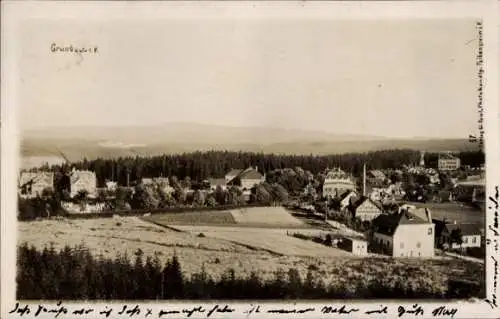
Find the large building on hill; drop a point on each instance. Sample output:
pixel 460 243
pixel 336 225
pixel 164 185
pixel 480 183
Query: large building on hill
pixel 244 178
pixel 337 182
pixel 448 162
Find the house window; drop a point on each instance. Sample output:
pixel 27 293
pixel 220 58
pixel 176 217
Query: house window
pixel 401 245
pixel 429 231
pixel 419 254
pixel 465 240
pixel 419 244
pixel 474 240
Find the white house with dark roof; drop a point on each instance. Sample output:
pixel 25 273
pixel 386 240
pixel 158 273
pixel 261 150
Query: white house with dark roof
pixel 470 234
pixel 245 179
pixel 405 233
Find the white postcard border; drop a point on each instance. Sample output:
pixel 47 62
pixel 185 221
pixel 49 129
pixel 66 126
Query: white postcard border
pixel 14 14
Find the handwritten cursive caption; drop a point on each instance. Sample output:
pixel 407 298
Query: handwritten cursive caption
pixel 59 310
pixel 57 48
pixel 493 204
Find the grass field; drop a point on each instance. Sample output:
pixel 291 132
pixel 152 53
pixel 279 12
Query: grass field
pixel 193 218
pixel 263 217
pixel 275 241
pixel 111 236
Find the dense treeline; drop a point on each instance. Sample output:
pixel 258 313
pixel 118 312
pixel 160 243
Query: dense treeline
pixel 202 165
pixel 76 274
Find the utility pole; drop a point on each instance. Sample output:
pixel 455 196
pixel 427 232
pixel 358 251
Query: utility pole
pixel 364 179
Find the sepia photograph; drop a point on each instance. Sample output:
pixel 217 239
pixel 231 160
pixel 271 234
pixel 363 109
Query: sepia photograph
pixel 243 155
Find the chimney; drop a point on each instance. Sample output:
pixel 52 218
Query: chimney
pixel 364 179
pixel 428 215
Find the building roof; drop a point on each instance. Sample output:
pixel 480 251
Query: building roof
pixel 86 176
pixel 388 223
pixel 377 174
pixel 249 173
pixel 360 200
pixel 347 193
pixel 447 156
pixel 467 229
pixel 36 177
pixel 336 174
pixel 234 172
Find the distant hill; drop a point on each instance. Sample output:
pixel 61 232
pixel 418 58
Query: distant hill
pixel 92 142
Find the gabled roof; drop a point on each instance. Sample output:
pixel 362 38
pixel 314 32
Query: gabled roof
pixel 363 199
pixel 234 172
pixel 387 223
pixel 447 156
pixel 377 174
pixel 86 176
pixel 347 193
pixel 467 229
pixel 250 174
pixel 36 177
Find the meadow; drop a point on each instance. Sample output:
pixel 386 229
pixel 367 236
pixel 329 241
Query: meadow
pixel 243 249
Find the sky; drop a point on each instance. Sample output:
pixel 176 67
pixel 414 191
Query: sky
pixel 392 78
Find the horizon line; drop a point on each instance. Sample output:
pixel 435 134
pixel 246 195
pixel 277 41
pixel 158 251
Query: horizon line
pixel 23 131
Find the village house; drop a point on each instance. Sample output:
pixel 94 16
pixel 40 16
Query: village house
pixel 448 162
pixel 470 234
pixel 337 182
pixel 245 179
pixel 405 233
pixel 215 182
pixel 346 199
pixel 83 181
pixel 32 184
pixel 365 209
pixel 376 177
pixel 111 186
pixel 357 246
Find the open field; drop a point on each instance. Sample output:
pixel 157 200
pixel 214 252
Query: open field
pixel 262 217
pixel 454 211
pixel 193 218
pixel 272 240
pixel 272 216
pixel 111 236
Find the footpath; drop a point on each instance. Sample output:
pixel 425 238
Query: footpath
pixel 468 258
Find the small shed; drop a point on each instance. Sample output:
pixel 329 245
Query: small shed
pixel 357 246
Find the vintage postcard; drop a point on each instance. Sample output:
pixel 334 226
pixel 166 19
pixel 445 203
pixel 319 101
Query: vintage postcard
pixel 250 159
